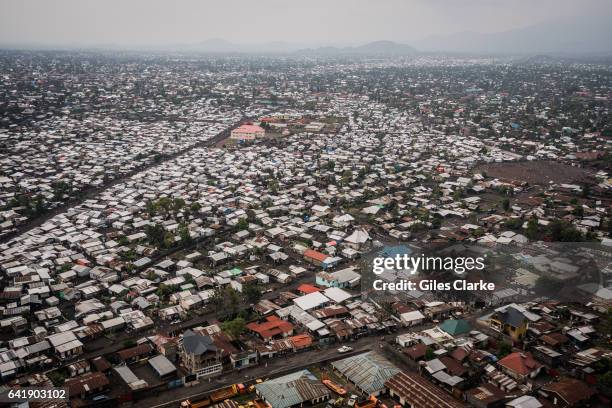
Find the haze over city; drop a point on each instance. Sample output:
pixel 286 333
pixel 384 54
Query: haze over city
pixel 286 26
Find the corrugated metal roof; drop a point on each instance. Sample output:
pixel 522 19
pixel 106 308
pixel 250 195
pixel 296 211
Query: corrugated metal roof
pixel 292 389
pixel 162 365
pixel 368 371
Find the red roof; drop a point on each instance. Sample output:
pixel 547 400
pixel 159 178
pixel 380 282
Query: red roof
pixel 317 256
pixel 520 363
pixel 301 341
pixel 249 129
pixel 306 288
pixel 459 354
pixel 272 327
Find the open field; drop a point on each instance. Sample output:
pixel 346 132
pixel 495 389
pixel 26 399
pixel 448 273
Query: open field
pixel 537 172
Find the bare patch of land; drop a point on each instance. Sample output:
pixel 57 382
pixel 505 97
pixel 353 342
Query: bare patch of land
pixel 538 172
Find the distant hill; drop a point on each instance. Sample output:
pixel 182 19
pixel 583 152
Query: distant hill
pixel 217 45
pixel 373 48
pixel 386 47
pixel 578 35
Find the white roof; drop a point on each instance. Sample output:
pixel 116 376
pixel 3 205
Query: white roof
pixel 310 301
pixel 162 365
pixel 68 346
pixel 337 295
pixel 526 401
pixel 117 321
pixel 358 237
pixel 61 338
pixel 412 316
pixel 344 218
pixel 126 374
pixel 346 275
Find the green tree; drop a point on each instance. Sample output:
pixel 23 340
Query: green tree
pixel 163 291
pixel 478 232
pixel 226 302
pixel 129 343
pixel 151 276
pixel 56 377
pixel 164 204
pixel 168 240
pixel 347 175
pixel 195 207
pixel 183 231
pixel 503 349
pixel 532 228
pixel 578 211
pixel 547 285
pixel 436 222
pixel 155 234
pixel 513 223
pixel 178 204
pixel 243 223
pixel 152 208
pixel 506 204
pixel 273 185
pixel 39 205
pixel 252 292
pixel 563 231
pixel 234 327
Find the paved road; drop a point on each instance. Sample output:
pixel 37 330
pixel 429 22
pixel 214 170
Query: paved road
pixel 279 366
pixel 274 367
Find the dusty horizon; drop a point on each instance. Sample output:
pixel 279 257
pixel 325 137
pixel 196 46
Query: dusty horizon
pixel 285 25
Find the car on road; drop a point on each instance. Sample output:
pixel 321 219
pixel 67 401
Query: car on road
pixel 352 400
pixel 345 349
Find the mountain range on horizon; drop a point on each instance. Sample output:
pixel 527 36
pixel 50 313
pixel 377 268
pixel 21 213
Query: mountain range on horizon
pixel 580 35
pixel 585 34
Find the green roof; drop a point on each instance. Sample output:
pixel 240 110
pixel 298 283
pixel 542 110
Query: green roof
pixel 455 327
pixel 235 271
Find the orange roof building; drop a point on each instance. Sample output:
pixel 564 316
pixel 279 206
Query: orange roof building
pixel 271 328
pixel 520 365
pixel 306 289
pixel 301 341
pixel 247 132
pixel 314 256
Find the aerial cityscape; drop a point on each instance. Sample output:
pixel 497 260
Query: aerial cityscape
pixel 367 224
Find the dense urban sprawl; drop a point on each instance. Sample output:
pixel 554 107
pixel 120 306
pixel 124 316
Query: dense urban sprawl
pixel 197 230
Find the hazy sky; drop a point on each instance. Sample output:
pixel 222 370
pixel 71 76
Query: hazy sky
pixel 311 22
